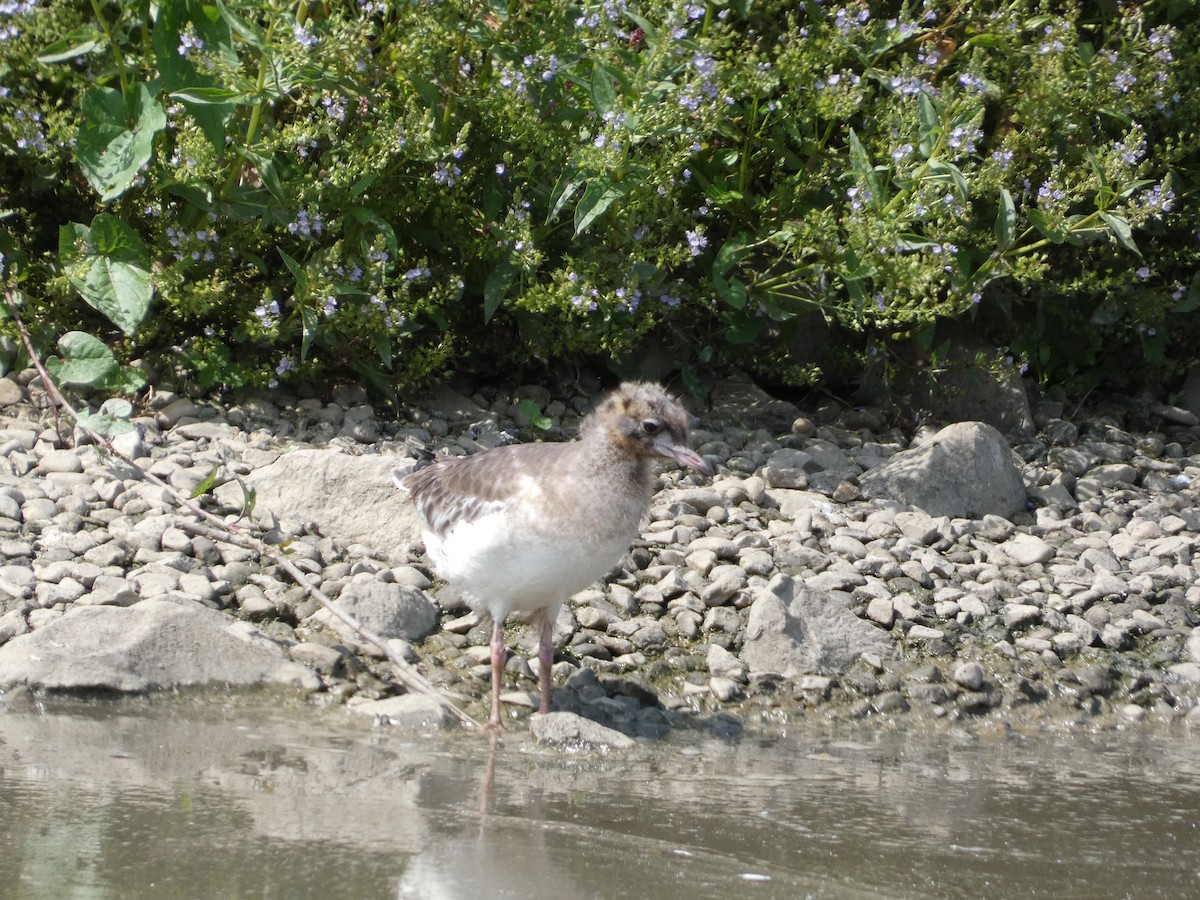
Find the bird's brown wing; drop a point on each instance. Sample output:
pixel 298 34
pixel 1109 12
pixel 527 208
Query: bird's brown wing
pixel 448 490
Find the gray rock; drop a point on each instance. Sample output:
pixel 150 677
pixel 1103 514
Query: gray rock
pixel 408 711
pixel 725 582
pixel 969 675
pixel 966 470
pixel 1112 474
pixel 11 393
pixel 566 729
pixel 794 631
pixel 153 645
pixel 1187 671
pixel 60 461
pixel 1175 414
pixel 740 401
pixel 724 664
pixel 1028 550
pixel 1021 615
pixel 12 623
pixel 171 414
pixel 387 610
pixel 882 611
pixel 16 581
pixel 350 498
pixel 316 656
pixel 925 633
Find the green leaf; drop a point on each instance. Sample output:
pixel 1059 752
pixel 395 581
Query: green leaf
pixel 249 498
pixel 534 414
pixel 383 347
pixel 495 289
pixel 745 329
pixel 296 269
pixel 1042 223
pixel 206 485
pixel 569 187
pixel 1110 311
pixel 80 42
pixel 604 95
pixel 1190 301
pixel 948 173
pixel 126 380
pixel 1006 220
pixel 369 217
pixel 111 419
pixel 110 267
pixel 909 243
pixel 601 193
pixel 731 290
pixel 110 151
pixel 859 161
pixel 696 385
pixel 243 30
pixel 1119 226
pixel 311 323
pixel 731 252
pixel 210 96
pixel 208 99
pixel 86 360
pixel 363 184
pixel 929 124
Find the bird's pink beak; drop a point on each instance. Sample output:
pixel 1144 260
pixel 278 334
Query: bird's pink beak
pixel 684 455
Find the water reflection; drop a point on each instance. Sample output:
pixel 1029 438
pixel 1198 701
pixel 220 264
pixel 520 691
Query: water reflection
pixel 250 799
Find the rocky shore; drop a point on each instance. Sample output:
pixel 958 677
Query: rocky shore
pixel 836 567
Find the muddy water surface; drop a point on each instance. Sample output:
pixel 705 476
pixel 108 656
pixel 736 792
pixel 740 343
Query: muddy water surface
pixel 193 798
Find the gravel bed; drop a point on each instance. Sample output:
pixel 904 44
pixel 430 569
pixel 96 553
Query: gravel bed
pixel 1079 610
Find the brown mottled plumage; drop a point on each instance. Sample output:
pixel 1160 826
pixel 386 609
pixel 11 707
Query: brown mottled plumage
pixel 523 527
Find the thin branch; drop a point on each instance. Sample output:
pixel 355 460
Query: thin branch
pixel 225 532
pixel 409 676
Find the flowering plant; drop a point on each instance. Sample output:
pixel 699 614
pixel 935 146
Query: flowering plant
pixel 264 191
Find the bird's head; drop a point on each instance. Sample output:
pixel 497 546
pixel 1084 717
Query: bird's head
pixel 642 420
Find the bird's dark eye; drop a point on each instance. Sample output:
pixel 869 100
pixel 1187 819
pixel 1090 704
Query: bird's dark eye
pixel 651 427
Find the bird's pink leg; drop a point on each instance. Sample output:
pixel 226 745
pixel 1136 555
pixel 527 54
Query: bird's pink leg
pixel 546 659
pixel 499 658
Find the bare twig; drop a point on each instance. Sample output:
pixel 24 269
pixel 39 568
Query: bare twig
pixel 229 533
pixel 410 677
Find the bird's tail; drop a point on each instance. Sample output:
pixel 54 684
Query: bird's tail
pixel 422 459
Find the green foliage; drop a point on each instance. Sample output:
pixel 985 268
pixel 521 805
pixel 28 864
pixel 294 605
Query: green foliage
pixel 295 190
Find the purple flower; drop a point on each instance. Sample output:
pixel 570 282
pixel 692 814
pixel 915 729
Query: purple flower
pixel 189 40
pixel 1124 81
pixel 304 37
pixel 446 174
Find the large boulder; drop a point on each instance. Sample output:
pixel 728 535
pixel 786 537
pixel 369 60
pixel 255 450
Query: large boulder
pixel 350 498
pixel 793 631
pixel 966 470
pixel 152 645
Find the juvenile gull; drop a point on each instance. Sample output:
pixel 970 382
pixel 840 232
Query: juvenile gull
pixel 521 528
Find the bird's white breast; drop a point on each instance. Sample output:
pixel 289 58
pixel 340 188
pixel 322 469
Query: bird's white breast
pixel 517 556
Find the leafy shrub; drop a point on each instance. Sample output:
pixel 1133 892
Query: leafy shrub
pixel 257 192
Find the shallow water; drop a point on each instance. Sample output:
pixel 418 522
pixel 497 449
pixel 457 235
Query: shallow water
pixel 244 798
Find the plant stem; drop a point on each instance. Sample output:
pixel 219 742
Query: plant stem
pixel 118 57
pixel 264 65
